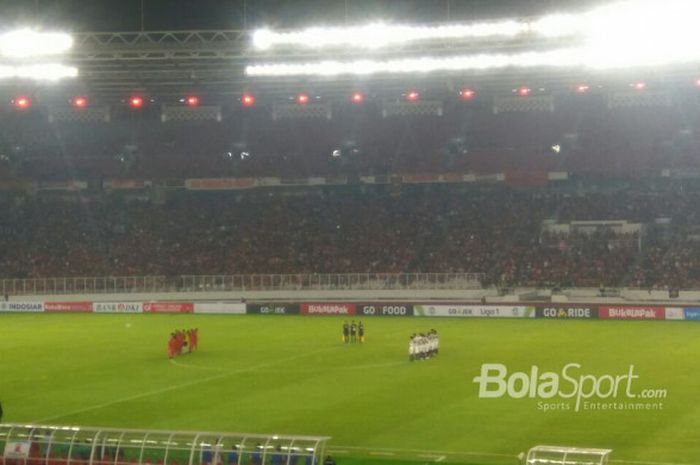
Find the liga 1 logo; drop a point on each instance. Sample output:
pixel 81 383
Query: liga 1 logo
pixel 583 390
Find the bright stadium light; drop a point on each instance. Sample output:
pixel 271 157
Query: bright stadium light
pixel 643 33
pixel 560 25
pixel 379 35
pixel 629 34
pixel 563 57
pixel 39 72
pixel 26 43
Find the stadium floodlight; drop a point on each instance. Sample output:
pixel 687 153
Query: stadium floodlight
pixel 380 35
pixel 643 33
pixel 39 72
pixel 629 34
pixel 426 64
pixel 25 43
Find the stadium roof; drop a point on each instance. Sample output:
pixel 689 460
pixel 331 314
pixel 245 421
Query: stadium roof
pixel 168 48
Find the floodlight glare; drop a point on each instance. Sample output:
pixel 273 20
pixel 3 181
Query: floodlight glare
pixel 379 35
pixel 40 72
pixel 562 57
pixel 643 33
pixel 629 34
pixel 26 43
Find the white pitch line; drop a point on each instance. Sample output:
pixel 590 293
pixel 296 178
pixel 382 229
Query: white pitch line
pixel 436 458
pixel 445 452
pixel 387 454
pixel 641 462
pixel 187 365
pixel 178 386
pixel 442 455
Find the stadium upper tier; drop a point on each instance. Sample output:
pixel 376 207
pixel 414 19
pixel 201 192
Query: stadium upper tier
pixel 498 233
pixel 588 137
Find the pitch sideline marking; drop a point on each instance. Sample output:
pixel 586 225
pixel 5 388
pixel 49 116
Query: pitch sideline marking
pixel 641 462
pixel 444 452
pixel 438 458
pixel 181 385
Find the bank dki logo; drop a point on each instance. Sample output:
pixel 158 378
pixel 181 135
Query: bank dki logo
pixel 570 384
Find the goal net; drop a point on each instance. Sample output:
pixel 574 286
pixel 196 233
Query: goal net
pixel 558 455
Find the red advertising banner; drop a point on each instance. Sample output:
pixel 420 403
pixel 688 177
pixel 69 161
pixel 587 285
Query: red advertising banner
pixel 526 178
pixel 73 185
pixel 632 313
pixel 220 183
pixel 420 178
pixel 453 177
pixel 68 307
pixel 328 308
pixel 168 307
pixel 126 184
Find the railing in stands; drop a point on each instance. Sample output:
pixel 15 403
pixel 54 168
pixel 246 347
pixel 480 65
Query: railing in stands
pixel 252 282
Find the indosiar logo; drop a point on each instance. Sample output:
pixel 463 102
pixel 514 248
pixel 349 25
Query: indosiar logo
pixel 571 384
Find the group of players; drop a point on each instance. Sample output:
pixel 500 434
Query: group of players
pixel 182 341
pixel 353 332
pixel 423 346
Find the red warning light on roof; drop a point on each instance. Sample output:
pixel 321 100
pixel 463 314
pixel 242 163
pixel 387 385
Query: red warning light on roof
pixel 357 97
pixel 79 101
pixel 248 100
pixel 22 103
pixel 467 94
pixel 136 102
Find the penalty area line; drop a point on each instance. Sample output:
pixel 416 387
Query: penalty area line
pixel 175 387
pixel 187 365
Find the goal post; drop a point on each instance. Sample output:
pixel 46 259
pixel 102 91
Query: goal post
pixel 559 455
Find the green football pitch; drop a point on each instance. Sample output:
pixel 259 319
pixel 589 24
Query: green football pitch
pixel 293 375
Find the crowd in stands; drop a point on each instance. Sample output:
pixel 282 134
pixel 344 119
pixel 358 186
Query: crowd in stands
pixel 468 138
pixel 496 232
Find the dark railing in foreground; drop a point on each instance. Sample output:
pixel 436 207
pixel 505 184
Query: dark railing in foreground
pixel 251 282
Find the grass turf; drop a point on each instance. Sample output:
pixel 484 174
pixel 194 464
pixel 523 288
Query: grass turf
pixel 293 375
